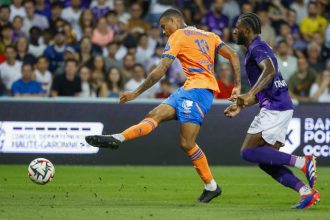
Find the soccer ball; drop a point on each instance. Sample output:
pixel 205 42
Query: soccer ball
pixel 41 171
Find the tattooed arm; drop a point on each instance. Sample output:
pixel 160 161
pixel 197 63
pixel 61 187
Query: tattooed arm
pixel 152 78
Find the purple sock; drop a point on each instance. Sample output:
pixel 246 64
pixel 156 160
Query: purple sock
pixel 283 175
pixel 267 155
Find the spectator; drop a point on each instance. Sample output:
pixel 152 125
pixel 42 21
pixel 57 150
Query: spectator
pixel 85 21
pixel 128 64
pixel 71 36
pixel 287 64
pixel 165 89
pixel 67 84
pixel 246 7
pixel 313 23
pixel 214 19
pixel 85 51
pixel 22 48
pixel 112 21
pixel 18 28
pixel 143 52
pixel 320 90
pixel 26 86
pixel 55 53
pixel 113 85
pixel 224 81
pixel 16 9
pixel 285 30
pixel 56 13
pixel 42 75
pixel 325 52
pixel 33 19
pixel 301 9
pixel 231 9
pixel 301 82
pixel 100 9
pixel 102 34
pixel 86 84
pixel 327 37
pixel 136 24
pixel 154 37
pixel 7 35
pixel 267 31
pixel 291 18
pixel 42 9
pixel 98 72
pixel 314 57
pixel 137 79
pixel 36 47
pixel 155 59
pixel 122 15
pixel 111 60
pixel 72 14
pixel 4 15
pixel 10 71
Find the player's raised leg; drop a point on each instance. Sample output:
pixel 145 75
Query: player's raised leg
pixel 255 149
pixel 188 134
pixel 159 114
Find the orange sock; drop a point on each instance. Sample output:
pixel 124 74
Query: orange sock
pixel 143 128
pixel 201 165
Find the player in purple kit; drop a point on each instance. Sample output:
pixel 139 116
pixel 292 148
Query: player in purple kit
pixel 268 129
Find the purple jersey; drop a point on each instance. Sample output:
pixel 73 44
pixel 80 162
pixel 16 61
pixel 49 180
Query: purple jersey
pixel 275 96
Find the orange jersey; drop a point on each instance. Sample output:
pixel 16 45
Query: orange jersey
pixel 196 50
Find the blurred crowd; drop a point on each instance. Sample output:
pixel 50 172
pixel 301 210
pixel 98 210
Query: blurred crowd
pixel 100 48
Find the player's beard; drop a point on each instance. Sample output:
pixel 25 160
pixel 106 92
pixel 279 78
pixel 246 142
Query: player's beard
pixel 241 39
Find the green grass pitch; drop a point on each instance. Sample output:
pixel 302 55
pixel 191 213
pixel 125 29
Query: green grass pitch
pixel 151 192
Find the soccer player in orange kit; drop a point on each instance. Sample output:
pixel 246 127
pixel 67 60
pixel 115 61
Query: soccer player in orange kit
pixel 196 50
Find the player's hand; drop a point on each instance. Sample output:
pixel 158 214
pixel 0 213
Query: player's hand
pixel 245 100
pixel 232 110
pixel 127 96
pixel 235 93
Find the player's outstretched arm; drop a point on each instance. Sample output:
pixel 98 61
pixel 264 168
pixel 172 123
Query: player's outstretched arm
pixel 233 58
pixel 152 78
pixel 267 74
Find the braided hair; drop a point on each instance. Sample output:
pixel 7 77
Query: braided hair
pixel 252 20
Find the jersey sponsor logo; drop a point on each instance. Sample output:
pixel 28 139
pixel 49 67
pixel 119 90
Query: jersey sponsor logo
pixel 280 84
pixel 187 105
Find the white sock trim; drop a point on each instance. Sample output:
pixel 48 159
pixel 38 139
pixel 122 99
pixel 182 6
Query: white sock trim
pixel 119 137
pixel 211 186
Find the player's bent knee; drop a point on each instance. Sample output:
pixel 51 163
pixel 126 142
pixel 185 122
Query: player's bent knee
pixel 246 154
pixel 186 145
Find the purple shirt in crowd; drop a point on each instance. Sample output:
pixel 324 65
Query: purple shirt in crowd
pixel 275 96
pixel 214 23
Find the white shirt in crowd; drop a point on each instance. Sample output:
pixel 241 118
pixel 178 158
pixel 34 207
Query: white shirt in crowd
pixel 143 55
pixel 10 73
pixel 37 50
pixel 86 91
pixel 132 84
pixel 325 96
pixel 287 67
pixel 38 20
pixel 45 80
pixel 72 17
pixel 16 12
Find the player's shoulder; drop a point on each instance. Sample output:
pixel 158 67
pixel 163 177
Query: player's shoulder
pixel 259 44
